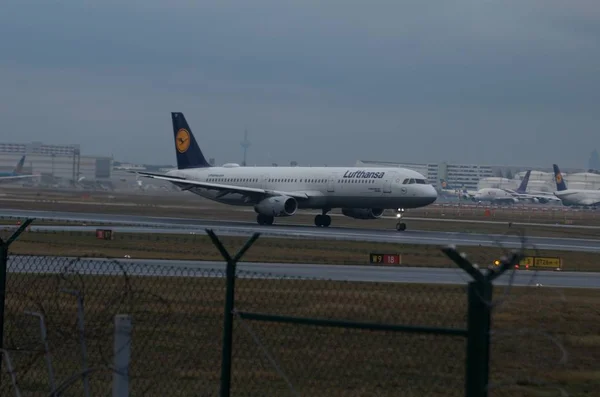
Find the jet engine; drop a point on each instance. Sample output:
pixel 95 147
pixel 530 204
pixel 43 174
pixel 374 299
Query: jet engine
pixel 277 206
pixel 363 213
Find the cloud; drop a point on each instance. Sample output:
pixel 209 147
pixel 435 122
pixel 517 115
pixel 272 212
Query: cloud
pixel 438 76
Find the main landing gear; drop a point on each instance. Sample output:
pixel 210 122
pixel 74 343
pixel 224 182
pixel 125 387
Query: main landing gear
pixel 323 220
pixel 264 219
pixel 400 226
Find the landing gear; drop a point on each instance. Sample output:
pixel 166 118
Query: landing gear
pixel 264 219
pixel 323 220
pixel 400 226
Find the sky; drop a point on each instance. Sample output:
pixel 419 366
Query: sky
pixel 320 82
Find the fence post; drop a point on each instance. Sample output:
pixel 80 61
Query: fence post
pixel 478 338
pixel 479 319
pixel 230 272
pixel 4 245
pixel 122 355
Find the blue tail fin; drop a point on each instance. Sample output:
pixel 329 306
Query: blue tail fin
pixel 560 183
pixel 19 168
pixel 523 186
pixel 188 152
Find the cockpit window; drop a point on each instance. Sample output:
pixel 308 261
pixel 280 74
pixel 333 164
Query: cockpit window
pixel 412 181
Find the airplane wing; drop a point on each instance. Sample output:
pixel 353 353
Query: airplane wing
pixel 2 178
pixel 532 196
pixel 541 198
pixel 187 184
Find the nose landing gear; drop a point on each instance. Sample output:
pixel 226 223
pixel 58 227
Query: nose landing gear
pixel 400 226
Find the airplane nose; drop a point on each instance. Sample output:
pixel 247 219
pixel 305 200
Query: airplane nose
pixel 431 193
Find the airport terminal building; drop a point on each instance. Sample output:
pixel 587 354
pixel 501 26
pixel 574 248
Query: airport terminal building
pixel 455 175
pixel 63 162
pixel 478 176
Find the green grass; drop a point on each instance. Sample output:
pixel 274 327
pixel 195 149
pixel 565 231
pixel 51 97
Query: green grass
pixel 199 246
pixel 178 323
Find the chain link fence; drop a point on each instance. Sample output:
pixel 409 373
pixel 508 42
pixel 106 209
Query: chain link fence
pixel 197 330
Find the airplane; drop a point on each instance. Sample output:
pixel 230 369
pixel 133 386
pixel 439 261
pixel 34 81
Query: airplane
pixel 581 197
pixel 448 190
pixel 510 196
pixel 533 196
pixel 281 191
pixel 495 195
pixel 16 172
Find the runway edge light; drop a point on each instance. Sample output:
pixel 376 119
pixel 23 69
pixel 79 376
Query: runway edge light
pixel 537 262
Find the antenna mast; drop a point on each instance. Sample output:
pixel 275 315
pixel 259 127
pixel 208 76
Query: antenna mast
pixel 245 145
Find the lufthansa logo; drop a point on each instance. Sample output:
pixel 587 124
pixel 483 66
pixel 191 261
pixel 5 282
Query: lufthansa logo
pixel 558 178
pixel 403 190
pixel 182 140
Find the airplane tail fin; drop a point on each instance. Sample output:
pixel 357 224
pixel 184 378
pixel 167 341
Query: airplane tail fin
pixel 560 183
pixel 19 167
pixel 188 152
pixel 523 186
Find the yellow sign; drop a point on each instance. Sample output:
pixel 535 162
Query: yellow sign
pixel 551 262
pixel 527 261
pixel 182 140
pixel 530 262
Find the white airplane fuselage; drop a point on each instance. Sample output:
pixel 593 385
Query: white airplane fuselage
pixel 329 187
pixel 494 195
pixel 579 197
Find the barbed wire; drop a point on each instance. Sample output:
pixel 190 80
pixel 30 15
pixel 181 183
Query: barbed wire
pixel 178 314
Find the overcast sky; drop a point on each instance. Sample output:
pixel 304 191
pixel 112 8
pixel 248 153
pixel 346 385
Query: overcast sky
pixel 316 81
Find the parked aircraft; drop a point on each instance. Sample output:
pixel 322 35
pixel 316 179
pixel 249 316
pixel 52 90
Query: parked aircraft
pixel 569 197
pixel 16 173
pixel 281 191
pixel 534 196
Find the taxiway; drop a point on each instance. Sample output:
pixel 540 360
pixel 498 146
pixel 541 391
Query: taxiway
pixel 380 274
pixel 147 224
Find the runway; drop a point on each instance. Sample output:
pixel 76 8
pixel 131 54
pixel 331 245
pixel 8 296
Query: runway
pixel 145 224
pixel 380 274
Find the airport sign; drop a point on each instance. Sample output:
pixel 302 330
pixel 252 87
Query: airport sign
pixel 538 262
pixel 385 259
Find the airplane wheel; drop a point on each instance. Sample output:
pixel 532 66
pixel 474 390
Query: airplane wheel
pixel 319 220
pixel 264 220
pixel 400 226
pixel 322 220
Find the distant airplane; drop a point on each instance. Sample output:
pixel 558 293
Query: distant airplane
pixel 510 196
pixel 16 173
pixel 581 197
pixel 448 190
pixel 534 196
pixel 281 191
